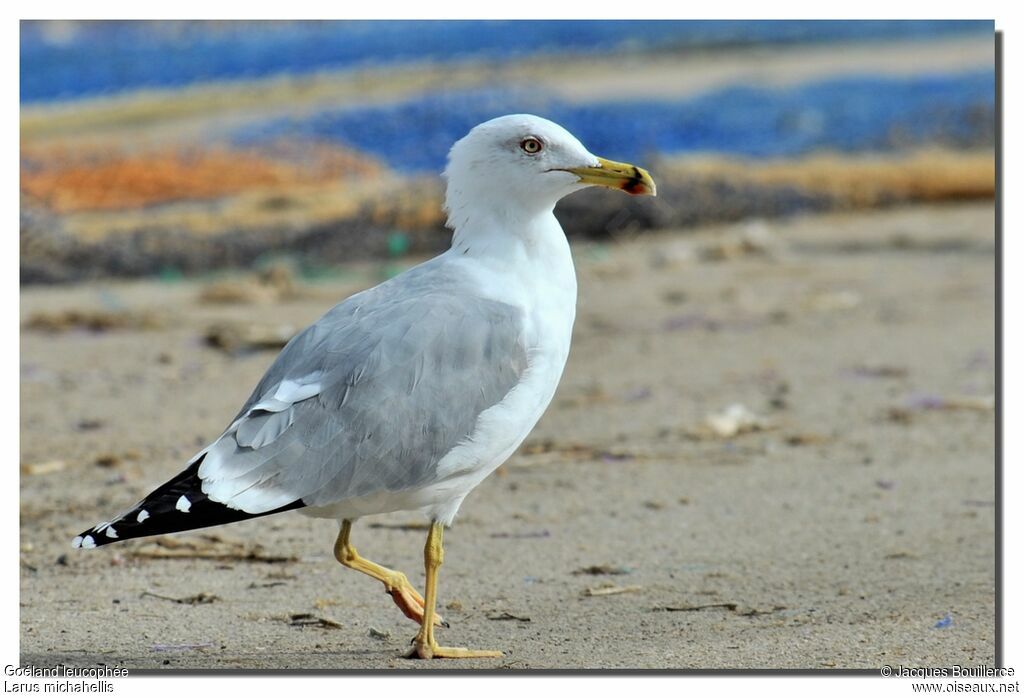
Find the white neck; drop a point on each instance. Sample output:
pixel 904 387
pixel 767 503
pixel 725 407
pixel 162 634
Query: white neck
pixel 534 244
pixel 489 219
pixel 527 264
pixel 494 231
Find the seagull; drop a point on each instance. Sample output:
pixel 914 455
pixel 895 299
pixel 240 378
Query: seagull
pixel 405 396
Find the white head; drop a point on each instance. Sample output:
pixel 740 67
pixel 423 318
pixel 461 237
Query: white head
pixel 519 166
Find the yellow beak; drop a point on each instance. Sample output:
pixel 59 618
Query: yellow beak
pixel 617 175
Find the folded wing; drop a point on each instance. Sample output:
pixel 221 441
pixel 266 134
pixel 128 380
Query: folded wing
pixel 369 398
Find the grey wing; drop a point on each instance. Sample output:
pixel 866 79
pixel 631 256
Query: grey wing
pixel 369 398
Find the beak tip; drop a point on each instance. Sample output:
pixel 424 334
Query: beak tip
pixel 617 175
pixel 641 185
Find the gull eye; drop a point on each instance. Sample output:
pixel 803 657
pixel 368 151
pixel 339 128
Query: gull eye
pixel 531 146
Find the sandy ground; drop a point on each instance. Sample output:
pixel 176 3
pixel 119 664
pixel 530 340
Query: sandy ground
pixel 853 529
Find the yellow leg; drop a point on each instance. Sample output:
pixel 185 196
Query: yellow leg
pixel 397 584
pixel 425 646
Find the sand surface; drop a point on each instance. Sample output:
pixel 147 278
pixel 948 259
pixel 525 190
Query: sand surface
pixel 852 528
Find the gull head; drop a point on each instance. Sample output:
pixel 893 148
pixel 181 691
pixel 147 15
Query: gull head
pixel 520 165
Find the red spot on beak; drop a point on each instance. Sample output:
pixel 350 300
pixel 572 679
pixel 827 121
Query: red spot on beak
pixel 634 187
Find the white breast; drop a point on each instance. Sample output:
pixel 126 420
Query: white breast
pixel 539 278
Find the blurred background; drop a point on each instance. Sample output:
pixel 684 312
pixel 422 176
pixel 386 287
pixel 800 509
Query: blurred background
pixel 178 148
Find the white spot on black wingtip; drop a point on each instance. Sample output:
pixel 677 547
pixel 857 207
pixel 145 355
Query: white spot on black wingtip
pixel 143 515
pixel 111 533
pixel 183 504
pixel 88 542
pixel 77 542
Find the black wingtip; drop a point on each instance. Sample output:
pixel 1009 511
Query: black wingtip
pixel 177 505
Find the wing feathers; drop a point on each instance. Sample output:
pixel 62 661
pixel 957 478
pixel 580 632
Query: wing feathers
pixel 177 505
pixel 350 406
